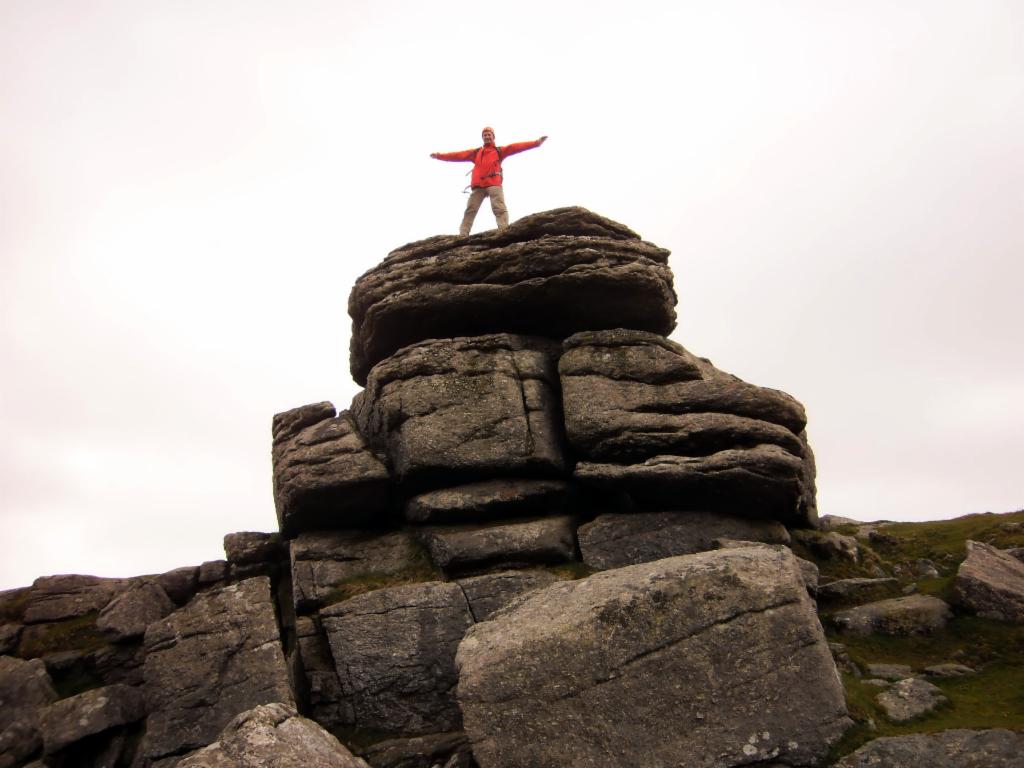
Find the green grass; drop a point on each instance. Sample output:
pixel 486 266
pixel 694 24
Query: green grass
pixel 993 698
pixel 944 540
pixel 966 639
pixel 841 568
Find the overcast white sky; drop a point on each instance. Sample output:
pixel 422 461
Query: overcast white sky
pixel 189 189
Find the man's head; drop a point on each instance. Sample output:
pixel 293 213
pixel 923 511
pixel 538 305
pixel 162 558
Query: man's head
pixel 488 135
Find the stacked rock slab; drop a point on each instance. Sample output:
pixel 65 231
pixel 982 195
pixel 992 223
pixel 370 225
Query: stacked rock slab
pixel 645 415
pixel 551 274
pixel 465 409
pixel 535 354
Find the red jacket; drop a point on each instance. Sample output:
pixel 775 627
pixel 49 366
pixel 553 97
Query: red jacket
pixel 487 161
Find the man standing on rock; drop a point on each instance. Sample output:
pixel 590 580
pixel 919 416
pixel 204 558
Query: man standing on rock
pixel 486 176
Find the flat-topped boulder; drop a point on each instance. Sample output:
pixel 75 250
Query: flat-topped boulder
pixel 466 409
pixel 552 273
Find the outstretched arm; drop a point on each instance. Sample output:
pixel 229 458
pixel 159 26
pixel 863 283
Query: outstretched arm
pixel 522 146
pixel 454 157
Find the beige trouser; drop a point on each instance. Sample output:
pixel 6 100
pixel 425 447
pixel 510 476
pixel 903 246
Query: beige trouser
pixel 476 197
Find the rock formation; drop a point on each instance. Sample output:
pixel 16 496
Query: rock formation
pixel 543 534
pixel 991 583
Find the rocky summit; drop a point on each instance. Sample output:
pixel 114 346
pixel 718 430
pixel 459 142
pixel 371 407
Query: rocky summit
pixel 543 534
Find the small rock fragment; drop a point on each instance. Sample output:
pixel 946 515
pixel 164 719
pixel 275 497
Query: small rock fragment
pixel 910 699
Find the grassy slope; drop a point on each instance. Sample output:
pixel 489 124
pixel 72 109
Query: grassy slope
pixel 993 698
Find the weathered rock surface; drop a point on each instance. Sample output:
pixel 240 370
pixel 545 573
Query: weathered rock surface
pixel 19 741
pixel 949 669
pixel 253 547
pixel 181 584
pixel 110 664
pixel 127 615
pixel 913 615
pixel 25 687
pixel 990 583
pixel 9 634
pixel 552 273
pixel 322 689
pixel 765 481
pixel 213 573
pixel 631 397
pixel 808 571
pixel 615 540
pixel 858 590
pixel 490 500
pixel 324 561
pixel 324 474
pixel 418 751
pixel 890 671
pixel 909 699
pixel 217 657
pixel 491 592
pixel 830 545
pixel 466 409
pixel 995 748
pixel 273 735
pixel 547 540
pixel 55 598
pixel 717 656
pixel 70 720
pixel 835 522
pixel 25 691
pixel 810 574
pixel 394 649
